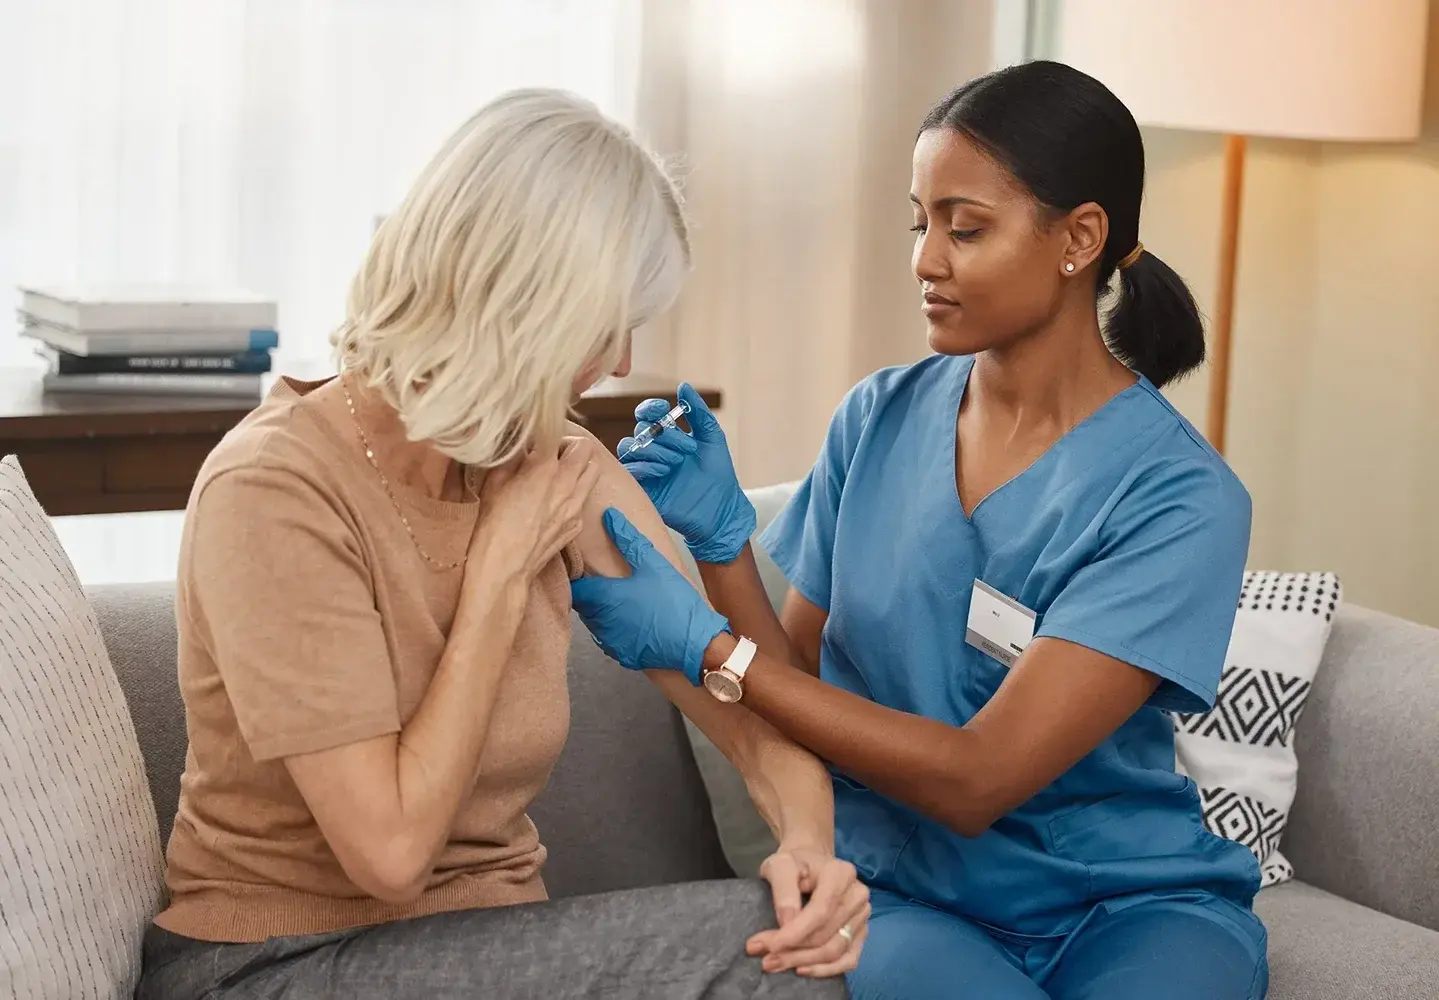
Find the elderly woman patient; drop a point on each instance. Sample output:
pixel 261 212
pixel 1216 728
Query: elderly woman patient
pixel 374 612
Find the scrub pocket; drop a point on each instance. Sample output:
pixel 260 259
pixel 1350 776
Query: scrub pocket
pixel 982 678
pixel 869 830
pixel 1135 841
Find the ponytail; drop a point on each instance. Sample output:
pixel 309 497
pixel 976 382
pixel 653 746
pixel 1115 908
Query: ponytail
pixel 1069 140
pixel 1155 327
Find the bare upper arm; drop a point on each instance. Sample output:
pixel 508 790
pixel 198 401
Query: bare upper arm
pixel 732 728
pixel 615 487
pixel 803 622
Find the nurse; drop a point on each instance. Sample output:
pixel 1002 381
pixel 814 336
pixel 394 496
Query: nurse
pixel 1010 562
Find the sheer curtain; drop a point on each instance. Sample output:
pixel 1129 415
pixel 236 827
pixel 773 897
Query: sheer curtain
pixel 795 122
pixel 249 142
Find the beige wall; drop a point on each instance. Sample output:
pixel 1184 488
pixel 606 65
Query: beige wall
pixel 1276 305
pixel 1334 414
pixel 796 176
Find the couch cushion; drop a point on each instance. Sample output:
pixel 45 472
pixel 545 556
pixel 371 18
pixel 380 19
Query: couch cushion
pixel 1322 947
pixel 80 866
pixel 138 623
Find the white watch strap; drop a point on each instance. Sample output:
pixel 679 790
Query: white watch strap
pixel 739 660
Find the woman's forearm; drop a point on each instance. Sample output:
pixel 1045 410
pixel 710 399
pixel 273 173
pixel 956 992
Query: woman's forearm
pixel 439 747
pixel 438 751
pixel 791 790
pixel 788 784
pixel 386 805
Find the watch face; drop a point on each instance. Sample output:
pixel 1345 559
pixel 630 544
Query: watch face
pixel 723 686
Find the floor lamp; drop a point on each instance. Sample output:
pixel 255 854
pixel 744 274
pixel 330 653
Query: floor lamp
pixel 1322 70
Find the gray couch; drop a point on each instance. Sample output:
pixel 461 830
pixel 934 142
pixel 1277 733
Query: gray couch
pixel 626 806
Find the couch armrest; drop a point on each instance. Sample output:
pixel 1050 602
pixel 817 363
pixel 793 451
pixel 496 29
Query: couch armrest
pixel 1365 823
pixel 768 502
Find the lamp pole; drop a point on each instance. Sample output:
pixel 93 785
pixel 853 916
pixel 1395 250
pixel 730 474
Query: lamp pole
pixel 1222 339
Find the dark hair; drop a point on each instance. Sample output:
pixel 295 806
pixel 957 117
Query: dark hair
pixel 1069 140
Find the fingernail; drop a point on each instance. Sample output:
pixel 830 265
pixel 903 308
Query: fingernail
pixel 803 971
pixel 771 964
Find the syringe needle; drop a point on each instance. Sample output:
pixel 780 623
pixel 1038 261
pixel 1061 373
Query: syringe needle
pixel 654 430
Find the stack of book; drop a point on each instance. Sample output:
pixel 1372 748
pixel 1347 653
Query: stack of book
pixel 148 341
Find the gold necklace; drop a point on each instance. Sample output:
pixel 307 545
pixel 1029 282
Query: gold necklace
pixel 370 454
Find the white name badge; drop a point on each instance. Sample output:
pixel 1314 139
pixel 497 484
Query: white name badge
pixel 997 625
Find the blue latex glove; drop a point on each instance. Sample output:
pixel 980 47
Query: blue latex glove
pixel 690 479
pixel 653 619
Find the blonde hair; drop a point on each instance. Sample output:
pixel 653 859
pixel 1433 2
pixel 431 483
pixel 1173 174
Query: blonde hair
pixel 532 243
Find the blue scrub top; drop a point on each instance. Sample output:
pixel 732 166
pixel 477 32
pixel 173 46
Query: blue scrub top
pixel 1128 536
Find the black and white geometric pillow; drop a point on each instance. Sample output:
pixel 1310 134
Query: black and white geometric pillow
pixel 1241 753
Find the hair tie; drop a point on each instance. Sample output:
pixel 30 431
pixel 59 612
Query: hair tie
pixel 1133 255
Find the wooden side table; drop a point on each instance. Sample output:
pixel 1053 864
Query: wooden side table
pixel 111 454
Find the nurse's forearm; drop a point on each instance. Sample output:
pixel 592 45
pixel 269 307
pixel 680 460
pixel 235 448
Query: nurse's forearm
pixel 736 591
pixel 928 765
pixel 1057 703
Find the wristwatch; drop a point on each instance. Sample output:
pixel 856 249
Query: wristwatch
pixel 726 682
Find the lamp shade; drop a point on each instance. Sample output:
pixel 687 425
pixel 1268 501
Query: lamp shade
pixel 1343 70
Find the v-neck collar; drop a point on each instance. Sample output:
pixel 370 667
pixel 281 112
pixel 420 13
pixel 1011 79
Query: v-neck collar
pixel 961 387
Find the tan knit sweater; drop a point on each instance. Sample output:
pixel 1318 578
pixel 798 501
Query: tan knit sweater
pixel 308 619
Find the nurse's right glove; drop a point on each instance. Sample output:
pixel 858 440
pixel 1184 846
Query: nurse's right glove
pixel 690 479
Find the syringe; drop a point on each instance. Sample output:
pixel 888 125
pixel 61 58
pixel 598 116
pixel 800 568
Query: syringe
pixel 654 430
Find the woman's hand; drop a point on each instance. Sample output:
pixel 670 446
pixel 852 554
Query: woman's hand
pixel 530 511
pixel 690 479
pixel 822 937
pixel 653 619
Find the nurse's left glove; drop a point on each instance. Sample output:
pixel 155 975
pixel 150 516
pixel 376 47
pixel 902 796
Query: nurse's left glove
pixel 690 479
pixel 653 619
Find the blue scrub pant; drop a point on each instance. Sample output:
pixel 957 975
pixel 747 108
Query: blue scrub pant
pixel 1190 947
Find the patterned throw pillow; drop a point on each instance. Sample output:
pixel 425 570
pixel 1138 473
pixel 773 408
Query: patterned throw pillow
pixel 1241 753
pixel 80 863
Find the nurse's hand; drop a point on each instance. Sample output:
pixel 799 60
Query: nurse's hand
pixel 653 619
pixel 690 479
pixel 819 937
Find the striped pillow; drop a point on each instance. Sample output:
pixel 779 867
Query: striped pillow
pixel 80 863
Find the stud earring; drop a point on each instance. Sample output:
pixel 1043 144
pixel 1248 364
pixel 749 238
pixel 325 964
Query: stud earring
pixel 1069 266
